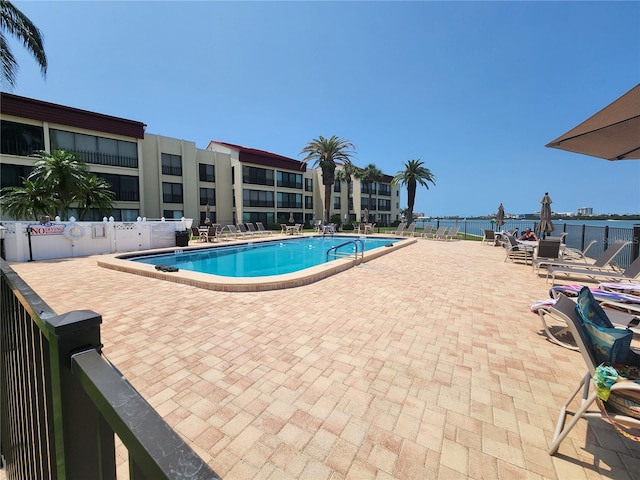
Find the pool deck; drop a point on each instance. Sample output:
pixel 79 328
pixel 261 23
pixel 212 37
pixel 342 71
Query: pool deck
pixel 425 363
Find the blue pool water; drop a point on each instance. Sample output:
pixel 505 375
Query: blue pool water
pixel 263 258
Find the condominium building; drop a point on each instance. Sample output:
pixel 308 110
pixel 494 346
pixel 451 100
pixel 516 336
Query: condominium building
pixel 154 176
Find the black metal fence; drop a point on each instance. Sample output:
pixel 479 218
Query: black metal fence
pixel 62 403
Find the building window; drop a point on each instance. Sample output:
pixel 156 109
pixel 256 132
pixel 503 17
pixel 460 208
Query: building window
pixel 208 196
pixel 171 192
pixel 125 214
pixel 172 214
pixel 308 202
pixel 257 176
pixel 368 187
pixel 96 150
pixel 336 203
pixel 207 172
pixel 365 204
pixel 13 175
pixel 289 200
pixel 308 184
pixel 337 186
pixel 171 164
pixel 290 180
pixel 384 189
pixel 125 187
pixel 257 198
pixel 384 205
pixel 21 139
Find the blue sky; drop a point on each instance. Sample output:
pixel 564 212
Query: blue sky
pixel 473 89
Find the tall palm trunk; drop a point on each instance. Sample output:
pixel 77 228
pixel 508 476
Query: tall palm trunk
pixel 328 179
pixel 411 198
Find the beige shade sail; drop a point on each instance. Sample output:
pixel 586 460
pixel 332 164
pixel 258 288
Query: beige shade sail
pixel 613 133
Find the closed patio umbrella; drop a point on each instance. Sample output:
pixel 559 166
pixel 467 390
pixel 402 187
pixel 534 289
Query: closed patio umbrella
pixel 207 218
pixel 500 216
pixel 545 226
pixel 366 215
pixel 613 133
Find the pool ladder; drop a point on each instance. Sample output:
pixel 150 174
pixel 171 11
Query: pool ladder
pixel 333 251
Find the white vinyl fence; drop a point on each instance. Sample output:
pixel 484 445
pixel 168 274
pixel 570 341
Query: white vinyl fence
pixel 27 241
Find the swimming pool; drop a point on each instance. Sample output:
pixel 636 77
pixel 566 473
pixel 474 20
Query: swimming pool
pixel 136 262
pixel 267 258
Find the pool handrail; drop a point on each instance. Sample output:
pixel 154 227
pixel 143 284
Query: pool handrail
pixel 336 247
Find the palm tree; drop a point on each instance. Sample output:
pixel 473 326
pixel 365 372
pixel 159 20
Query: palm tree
pixel 413 174
pixel 325 152
pixel 370 174
pixel 16 23
pixel 63 174
pixel 30 200
pixel 96 193
pixel 346 174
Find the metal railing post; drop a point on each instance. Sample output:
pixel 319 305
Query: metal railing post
pixel 85 447
pixel 635 248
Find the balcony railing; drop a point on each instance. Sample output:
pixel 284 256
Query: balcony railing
pixel 62 403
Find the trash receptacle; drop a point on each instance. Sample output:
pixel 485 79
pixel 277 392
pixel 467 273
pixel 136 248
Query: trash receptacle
pixel 182 239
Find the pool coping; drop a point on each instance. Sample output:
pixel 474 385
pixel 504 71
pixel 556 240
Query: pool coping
pixel 207 281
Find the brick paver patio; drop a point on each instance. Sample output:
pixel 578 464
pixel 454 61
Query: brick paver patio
pixel 424 363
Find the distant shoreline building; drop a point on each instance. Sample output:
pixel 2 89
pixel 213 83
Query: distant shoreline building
pixel 154 176
pixel 585 211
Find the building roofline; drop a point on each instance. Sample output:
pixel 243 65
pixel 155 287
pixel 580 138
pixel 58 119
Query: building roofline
pixel 33 109
pixel 263 157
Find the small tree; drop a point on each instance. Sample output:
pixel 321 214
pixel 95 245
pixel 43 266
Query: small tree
pixel 31 200
pixel 346 174
pixel 370 174
pixel 63 174
pixel 58 182
pixel 95 192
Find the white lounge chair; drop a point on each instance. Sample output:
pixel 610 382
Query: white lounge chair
pixel 620 393
pixel 517 251
pixel 428 230
pixel 262 229
pixel 410 231
pixel 548 252
pixel 573 254
pixel 242 229
pixel 400 229
pixel 452 233
pixel 602 262
pixel 632 272
pixel 434 235
pixel 489 237
pixel 252 229
pixel 233 231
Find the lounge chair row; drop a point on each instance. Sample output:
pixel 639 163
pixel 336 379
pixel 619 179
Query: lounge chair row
pixel 440 234
pixel 215 231
pixel 573 262
pixel 602 268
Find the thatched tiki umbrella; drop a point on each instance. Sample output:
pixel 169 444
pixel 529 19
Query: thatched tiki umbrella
pixel 545 226
pixel 500 216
